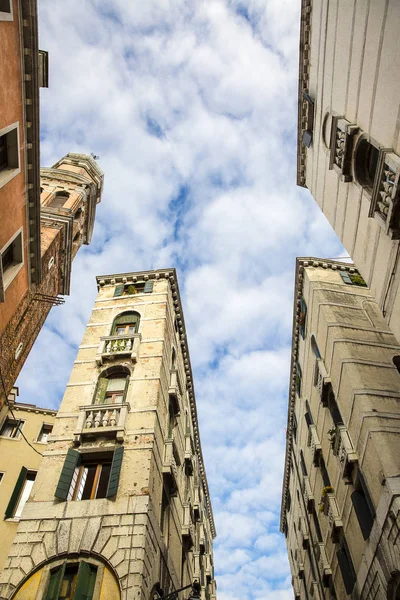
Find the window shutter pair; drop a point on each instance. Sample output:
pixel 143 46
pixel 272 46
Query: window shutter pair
pixel 85 582
pixel 73 460
pixel 148 287
pixel 119 290
pixel 346 277
pixel 54 586
pixel 16 493
pixel 101 390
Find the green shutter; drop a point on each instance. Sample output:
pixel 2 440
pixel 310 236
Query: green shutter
pixel 148 287
pixel 16 493
pixel 54 585
pixel 85 581
pixel 115 472
pixel 346 277
pixel 119 290
pixel 72 460
pixel 101 390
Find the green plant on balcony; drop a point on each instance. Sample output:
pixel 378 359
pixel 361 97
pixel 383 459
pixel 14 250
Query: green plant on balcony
pixel 328 489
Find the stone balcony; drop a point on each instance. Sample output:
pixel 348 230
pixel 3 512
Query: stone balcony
pixel 324 565
pixel 331 510
pixel 101 420
pixel 314 443
pixel 343 448
pixel 308 494
pixel 187 525
pixel 117 346
pixel 170 468
pixel 385 201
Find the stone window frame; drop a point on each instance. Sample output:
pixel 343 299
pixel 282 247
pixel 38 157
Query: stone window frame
pixel 13 168
pixel 385 197
pixel 7 15
pixel 9 274
pixel 49 567
pixel 341 147
pixel 42 427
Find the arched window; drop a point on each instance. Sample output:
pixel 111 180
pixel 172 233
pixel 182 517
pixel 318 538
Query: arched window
pixel 59 199
pixel 396 362
pixel 365 163
pixel 126 323
pixel 112 386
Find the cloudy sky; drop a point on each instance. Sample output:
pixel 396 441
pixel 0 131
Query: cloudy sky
pixel 191 106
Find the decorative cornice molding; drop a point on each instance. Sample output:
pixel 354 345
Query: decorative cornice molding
pixel 301 264
pixel 31 408
pixel 171 276
pixel 304 78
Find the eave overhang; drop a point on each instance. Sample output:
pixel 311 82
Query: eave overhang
pixel 171 276
pixel 304 72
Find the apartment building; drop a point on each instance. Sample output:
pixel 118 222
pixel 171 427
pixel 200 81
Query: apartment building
pixel 341 491
pixel 348 152
pixel 120 507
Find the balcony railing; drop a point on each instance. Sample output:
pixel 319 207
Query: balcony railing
pixel 308 494
pixel 169 468
pixel 187 524
pixel 314 443
pixel 324 564
pixel 104 420
pixel 343 448
pixel 116 346
pixel 331 510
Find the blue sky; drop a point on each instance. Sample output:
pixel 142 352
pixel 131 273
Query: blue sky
pixel 191 106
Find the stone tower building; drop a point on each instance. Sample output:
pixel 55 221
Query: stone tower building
pixel 341 491
pixel 120 508
pixel 69 194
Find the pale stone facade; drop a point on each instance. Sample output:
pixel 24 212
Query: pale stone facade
pixel 349 117
pixel 341 492
pixel 16 456
pixel 155 527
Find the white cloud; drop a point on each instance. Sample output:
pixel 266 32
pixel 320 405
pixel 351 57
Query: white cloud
pixel 192 109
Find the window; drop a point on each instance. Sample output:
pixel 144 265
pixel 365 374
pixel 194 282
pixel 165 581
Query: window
pixel 308 415
pixel 346 566
pixel 314 347
pixel 12 260
pixel 111 389
pixel 298 378
pixel 302 318
pixel 59 199
pixel 363 506
pixel 130 289
pixel 303 464
pixel 352 278
pixel 21 493
pixel 308 108
pixel 366 159
pixel 294 427
pixel 165 515
pixel 12 428
pixel 9 143
pixel 5 10
pixel 1 476
pixel 126 323
pixel 44 433
pixel 396 362
pixel 90 476
pixel 72 581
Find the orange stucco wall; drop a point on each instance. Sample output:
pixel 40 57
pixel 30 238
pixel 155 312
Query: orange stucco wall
pixel 12 194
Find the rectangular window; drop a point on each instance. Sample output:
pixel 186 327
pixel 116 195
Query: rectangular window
pixel 298 378
pixel 302 318
pixel 1 477
pixel 21 493
pixel 9 138
pixel 131 289
pixel 12 260
pixel 363 506
pixel 346 566
pixel 12 428
pixel 353 278
pixel 44 433
pixel 90 480
pixel 294 427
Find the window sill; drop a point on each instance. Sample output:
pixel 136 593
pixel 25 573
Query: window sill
pixel 6 175
pixel 10 273
pixel 6 16
pixel 12 520
pixel 10 439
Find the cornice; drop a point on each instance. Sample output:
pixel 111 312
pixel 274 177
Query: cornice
pixel 171 276
pixel 31 408
pixel 62 175
pixel 301 264
pixel 304 79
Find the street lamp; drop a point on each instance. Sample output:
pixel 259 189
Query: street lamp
pixel 194 593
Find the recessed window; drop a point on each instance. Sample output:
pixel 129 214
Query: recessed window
pixel 9 150
pixel 12 428
pixel 44 433
pixel 5 10
pixel 72 581
pixel 352 278
pixel 366 159
pixel 396 362
pixel 126 323
pixel 1 477
pixel 111 389
pixel 59 199
pixel 302 317
pixel 12 260
pixel 130 289
pixel 21 493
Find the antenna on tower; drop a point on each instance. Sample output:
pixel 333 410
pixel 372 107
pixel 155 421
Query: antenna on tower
pixel 94 156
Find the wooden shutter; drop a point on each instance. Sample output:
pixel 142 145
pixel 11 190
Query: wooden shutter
pixel 119 290
pixel 148 287
pixel 101 390
pixel 363 513
pixel 346 277
pixel 72 460
pixel 346 569
pixel 115 472
pixel 85 581
pixel 16 493
pixel 55 580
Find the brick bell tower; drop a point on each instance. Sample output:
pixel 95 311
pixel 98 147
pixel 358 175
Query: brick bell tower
pixel 69 193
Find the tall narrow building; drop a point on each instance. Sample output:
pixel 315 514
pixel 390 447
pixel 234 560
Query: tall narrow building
pixel 341 491
pixel 120 508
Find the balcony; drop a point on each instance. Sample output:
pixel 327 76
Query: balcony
pixel 314 443
pixel 175 390
pixel 331 510
pixel 342 139
pixel 101 420
pixel 343 448
pixel 385 206
pixel 117 346
pixel 308 494
pixel 324 565
pixel 169 468
pixel 187 525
